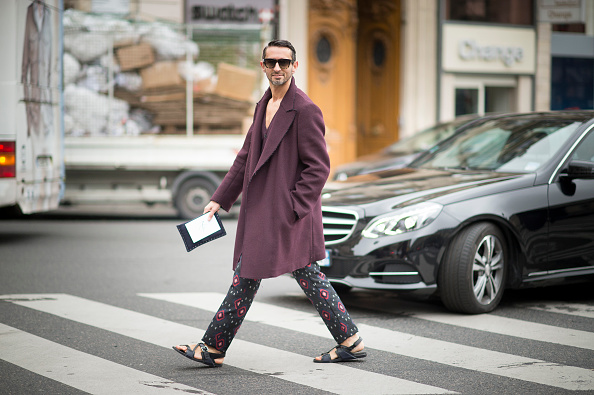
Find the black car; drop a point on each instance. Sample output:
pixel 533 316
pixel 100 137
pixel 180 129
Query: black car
pixel 506 203
pixel 401 153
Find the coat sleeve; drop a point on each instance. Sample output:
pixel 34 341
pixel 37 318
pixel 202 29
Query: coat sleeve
pixel 231 186
pixel 314 158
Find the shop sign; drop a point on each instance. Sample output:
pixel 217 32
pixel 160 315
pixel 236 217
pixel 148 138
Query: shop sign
pixel 485 49
pixel 470 50
pixel 234 12
pixel 562 11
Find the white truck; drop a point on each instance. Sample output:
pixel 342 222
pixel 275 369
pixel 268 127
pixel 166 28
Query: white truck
pixel 31 136
pixel 116 69
pixel 152 169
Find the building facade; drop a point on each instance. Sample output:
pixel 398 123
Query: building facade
pixel 385 69
pixel 402 66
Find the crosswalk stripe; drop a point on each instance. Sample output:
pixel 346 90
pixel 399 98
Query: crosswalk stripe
pixel 517 328
pixel 458 355
pixel 577 309
pixel 80 370
pixel 512 327
pixel 509 326
pixel 333 378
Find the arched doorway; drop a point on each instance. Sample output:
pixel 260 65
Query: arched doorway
pixel 353 73
pixel 378 74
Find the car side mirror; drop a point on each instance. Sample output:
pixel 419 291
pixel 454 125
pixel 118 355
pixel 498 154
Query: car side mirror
pixel 579 169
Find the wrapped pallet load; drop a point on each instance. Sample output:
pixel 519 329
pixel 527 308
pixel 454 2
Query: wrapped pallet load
pixel 147 120
pixel 145 65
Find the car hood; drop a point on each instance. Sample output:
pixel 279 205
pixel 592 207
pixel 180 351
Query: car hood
pixel 409 186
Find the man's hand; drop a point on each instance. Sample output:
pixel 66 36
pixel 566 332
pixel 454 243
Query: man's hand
pixel 211 207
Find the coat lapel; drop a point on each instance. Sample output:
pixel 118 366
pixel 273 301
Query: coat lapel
pixel 282 122
pixel 256 139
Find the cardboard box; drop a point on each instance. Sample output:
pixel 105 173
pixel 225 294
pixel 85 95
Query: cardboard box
pixel 160 75
pixel 135 56
pixel 235 82
pixel 204 85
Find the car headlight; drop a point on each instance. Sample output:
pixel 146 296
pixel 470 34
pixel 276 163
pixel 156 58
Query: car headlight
pixel 403 220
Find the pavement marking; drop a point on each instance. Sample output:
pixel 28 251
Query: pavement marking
pixel 458 355
pixel 494 323
pixel 77 369
pixel 514 327
pixel 577 309
pixel 284 365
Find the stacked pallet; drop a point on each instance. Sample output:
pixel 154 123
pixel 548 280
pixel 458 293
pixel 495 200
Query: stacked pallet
pixel 212 113
pixel 221 108
pixel 124 77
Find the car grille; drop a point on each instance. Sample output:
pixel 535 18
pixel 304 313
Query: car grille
pixel 339 224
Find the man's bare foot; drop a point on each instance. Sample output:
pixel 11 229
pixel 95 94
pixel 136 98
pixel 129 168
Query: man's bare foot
pixel 348 342
pixel 198 352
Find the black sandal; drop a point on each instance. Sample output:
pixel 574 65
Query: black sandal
pixel 343 353
pixel 207 357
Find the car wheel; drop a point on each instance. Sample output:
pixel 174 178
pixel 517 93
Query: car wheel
pixel 192 196
pixel 472 276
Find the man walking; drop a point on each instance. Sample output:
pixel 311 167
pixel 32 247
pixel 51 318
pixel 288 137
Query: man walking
pixel 280 173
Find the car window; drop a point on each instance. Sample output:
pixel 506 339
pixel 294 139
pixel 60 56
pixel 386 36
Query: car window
pixel 426 138
pixel 534 148
pixel 585 151
pixel 475 150
pixel 507 145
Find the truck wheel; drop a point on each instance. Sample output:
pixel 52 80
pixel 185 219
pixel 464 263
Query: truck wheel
pixel 472 275
pixel 192 196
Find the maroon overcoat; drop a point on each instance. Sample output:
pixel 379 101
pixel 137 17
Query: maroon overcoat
pixel 280 222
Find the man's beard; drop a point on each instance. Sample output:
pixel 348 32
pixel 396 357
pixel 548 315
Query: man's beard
pixel 278 82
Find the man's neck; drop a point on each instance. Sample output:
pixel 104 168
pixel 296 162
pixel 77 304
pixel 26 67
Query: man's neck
pixel 279 91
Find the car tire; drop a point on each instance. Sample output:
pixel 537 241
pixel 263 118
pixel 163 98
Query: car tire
pixel 472 275
pixel 192 196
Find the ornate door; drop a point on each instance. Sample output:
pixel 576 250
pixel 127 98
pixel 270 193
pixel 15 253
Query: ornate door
pixel 331 72
pixel 353 73
pixel 378 73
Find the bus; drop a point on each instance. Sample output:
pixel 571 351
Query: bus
pixel 31 131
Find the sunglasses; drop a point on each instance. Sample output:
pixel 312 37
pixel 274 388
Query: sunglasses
pixel 282 63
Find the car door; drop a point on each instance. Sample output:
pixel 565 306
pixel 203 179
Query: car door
pixel 571 216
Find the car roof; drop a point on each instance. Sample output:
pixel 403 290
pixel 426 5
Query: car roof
pixel 581 115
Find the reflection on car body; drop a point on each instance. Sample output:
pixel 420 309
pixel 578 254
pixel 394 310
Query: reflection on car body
pixel 507 202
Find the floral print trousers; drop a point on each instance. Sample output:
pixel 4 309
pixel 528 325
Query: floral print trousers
pixel 317 288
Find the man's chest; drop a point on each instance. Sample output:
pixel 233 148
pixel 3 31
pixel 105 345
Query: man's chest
pixel 271 109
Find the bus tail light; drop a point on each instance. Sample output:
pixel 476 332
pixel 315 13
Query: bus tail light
pixel 7 159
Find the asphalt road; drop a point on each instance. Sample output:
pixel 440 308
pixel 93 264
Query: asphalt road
pixel 93 304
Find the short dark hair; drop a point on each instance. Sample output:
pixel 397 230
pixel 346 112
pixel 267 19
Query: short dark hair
pixel 281 43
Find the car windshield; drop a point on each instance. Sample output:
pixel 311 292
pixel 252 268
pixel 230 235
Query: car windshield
pixel 507 145
pixel 425 139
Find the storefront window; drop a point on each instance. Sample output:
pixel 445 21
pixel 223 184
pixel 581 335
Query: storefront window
pixel 485 98
pixel 514 12
pixel 570 27
pixel 499 99
pixel 572 83
pixel 467 101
